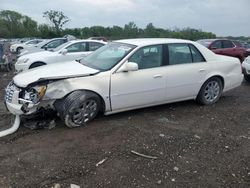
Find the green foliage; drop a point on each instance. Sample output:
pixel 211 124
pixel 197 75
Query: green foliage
pixel 14 25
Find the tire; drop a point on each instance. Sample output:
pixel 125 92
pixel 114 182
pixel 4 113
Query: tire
pixel 78 108
pixel 37 64
pixel 247 77
pixel 210 91
pixel 18 50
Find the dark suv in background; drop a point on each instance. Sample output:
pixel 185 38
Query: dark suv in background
pixel 225 47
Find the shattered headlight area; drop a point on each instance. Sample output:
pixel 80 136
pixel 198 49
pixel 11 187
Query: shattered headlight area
pixel 24 99
pixel 32 95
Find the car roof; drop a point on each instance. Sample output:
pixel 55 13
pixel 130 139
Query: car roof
pixel 87 40
pixel 151 41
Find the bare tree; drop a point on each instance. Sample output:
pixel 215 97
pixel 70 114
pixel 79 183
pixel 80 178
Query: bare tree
pixel 57 18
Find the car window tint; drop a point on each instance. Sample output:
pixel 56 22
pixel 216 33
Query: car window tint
pixel 77 47
pixel 94 46
pixel 197 57
pixel 54 43
pixel 148 57
pixel 227 44
pixel 216 44
pixel 179 54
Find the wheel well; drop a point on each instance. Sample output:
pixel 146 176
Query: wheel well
pixel 40 63
pixel 103 106
pixel 221 78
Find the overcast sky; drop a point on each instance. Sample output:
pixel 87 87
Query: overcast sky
pixel 222 17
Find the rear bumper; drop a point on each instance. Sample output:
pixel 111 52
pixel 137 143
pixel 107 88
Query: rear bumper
pixel 246 68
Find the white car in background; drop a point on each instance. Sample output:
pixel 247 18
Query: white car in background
pixel 246 68
pixel 124 75
pixel 17 47
pixel 45 45
pixel 70 51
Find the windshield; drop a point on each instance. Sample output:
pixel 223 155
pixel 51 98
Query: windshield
pixel 107 56
pixel 60 46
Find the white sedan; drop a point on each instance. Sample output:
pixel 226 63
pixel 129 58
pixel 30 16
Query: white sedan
pixel 124 75
pixel 246 68
pixel 16 48
pixel 72 50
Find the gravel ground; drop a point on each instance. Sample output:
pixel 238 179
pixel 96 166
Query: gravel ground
pixel 195 146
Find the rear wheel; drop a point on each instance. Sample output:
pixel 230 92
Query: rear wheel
pixel 78 108
pixel 247 77
pixel 210 91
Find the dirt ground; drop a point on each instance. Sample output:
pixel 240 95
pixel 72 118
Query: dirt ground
pixel 195 146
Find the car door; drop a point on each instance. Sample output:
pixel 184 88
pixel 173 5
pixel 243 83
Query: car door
pixel 217 47
pixel 185 73
pixel 229 48
pixel 142 87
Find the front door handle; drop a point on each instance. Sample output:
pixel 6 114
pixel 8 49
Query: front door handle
pixel 157 76
pixel 202 70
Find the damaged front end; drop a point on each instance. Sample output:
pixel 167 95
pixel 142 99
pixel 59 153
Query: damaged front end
pixel 22 101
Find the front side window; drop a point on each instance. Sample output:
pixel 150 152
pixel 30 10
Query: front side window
pixel 148 57
pixel 107 56
pixel 77 47
pixel 94 46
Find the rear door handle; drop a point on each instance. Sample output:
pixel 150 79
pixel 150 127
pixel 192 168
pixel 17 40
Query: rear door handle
pixel 157 76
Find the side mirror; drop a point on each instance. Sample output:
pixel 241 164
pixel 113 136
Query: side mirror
pixel 64 51
pixel 128 66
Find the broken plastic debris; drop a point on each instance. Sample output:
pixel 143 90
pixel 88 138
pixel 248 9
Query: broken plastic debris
pixel 142 155
pixel 100 162
pixel 74 186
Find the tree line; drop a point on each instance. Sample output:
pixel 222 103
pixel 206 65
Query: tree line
pixel 16 25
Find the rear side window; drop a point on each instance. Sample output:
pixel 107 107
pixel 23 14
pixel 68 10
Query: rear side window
pixel 227 44
pixel 197 57
pixel 216 44
pixel 183 54
pixel 94 46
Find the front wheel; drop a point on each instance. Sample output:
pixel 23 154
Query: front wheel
pixel 210 91
pixel 78 108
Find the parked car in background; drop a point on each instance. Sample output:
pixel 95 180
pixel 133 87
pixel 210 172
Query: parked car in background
pixel 225 47
pixel 246 68
pixel 124 75
pixel 45 45
pixel 17 47
pixel 69 51
pixel 99 38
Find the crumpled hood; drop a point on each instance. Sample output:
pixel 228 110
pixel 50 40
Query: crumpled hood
pixel 53 71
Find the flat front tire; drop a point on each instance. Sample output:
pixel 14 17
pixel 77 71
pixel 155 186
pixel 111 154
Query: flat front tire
pixel 79 107
pixel 210 91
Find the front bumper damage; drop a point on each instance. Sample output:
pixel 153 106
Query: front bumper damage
pixel 17 106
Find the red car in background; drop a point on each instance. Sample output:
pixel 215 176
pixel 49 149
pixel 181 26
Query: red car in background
pixel 225 47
